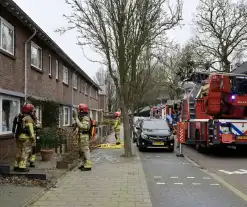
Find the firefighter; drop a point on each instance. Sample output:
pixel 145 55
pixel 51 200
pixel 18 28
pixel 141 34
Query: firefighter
pixel 117 127
pixel 32 156
pixel 23 130
pixel 83 124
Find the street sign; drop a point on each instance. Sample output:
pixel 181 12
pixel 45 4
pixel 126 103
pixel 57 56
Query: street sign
pixel 236 172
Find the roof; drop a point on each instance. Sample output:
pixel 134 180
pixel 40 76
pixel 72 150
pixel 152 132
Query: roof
pixel 241 69
pixel 16 11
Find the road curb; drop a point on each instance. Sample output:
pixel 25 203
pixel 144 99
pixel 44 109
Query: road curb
pixel 42 192
pixel 194 162
pixel 219 179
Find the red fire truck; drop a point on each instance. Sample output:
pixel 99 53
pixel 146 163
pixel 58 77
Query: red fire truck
pixel 214 112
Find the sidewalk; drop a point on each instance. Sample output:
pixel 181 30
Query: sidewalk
pixel 114 181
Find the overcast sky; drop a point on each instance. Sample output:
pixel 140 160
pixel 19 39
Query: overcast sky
pixel 48 14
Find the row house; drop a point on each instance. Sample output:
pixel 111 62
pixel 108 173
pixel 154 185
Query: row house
pixel 33 65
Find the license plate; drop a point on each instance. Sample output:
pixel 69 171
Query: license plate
pixel 242 137
pixel 158 143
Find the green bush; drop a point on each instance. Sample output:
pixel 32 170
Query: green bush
pixel 48 137
pixel 50 111
pixel 110 122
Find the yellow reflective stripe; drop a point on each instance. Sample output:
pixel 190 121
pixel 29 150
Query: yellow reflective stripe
pixel 30 126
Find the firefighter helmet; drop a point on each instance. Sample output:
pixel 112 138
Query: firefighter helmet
pixel 83 108
pixel 117 114
pixel 28 108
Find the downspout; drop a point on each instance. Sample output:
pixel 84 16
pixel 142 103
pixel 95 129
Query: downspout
pixel 26 65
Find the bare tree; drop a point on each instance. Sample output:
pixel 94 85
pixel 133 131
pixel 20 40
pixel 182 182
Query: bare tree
pixel 104 80
pixel 176 63
pixel 221 31
pixel 100 77
pixel 120 30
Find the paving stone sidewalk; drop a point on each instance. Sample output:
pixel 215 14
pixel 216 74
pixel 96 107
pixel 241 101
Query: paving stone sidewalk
pixel 114 181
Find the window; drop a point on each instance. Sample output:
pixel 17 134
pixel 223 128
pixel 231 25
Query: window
pixel 79 84
pixel 36 56
pixel 90 91
pixel 39 113
pixel 57 70
pixel 82 85
pixel 74 81
pixel 85 88
pixel 9 108
pixel 60 115
pixel 66 116
pixel 96 95
pixel 50 66
pixel 7 36
pixel 65 75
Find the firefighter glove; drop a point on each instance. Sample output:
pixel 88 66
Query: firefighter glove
pixel 75 114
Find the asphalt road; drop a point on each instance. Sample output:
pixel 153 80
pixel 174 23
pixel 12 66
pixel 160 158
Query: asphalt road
pixel 227 164
pixel 176 182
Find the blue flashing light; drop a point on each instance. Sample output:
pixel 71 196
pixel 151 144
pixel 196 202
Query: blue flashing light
pixel 233 97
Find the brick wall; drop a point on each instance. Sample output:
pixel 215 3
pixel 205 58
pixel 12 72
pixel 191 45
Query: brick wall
pixel 7 150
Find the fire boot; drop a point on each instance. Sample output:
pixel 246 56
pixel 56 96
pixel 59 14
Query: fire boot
pixel 16 166
pixel 118 141
pixel 32 160
pixel 81 155
pixel 87 166
pixel 23 167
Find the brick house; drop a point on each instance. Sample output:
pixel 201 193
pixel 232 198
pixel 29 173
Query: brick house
pixel 32 64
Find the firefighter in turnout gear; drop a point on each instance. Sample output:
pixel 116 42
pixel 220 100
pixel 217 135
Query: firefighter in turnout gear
pixel 32 154
pixel 83 123
pixel 23 130
pixel 117 127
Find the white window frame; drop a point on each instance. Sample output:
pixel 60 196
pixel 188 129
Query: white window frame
pixel 1 110
pixel 79 84
pixel 10 27
pixel 39 113
pixel 67 78
pixel 57 69
pixel 82 85
pixel 41 53
pixel 75 81
pixel 66 124
pixel 90 91
pixel 85 88
pixel 50 65
pixel 59 117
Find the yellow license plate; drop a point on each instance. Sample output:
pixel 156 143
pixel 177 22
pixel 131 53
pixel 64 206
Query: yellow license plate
pixel 158 143
pixel 242 137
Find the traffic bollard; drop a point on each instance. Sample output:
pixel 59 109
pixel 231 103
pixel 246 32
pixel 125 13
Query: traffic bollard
pixel 180 153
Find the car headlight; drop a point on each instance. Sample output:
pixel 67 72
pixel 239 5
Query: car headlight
pixel 144 136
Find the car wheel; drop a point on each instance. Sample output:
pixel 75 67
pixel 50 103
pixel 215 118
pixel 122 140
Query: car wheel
pixel 170 149
pixel 141 149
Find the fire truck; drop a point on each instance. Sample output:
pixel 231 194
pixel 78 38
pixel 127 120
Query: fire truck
pixel 214 111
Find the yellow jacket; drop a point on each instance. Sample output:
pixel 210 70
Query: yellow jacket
pixel 84 124
pixel 28 123
pixel 117 124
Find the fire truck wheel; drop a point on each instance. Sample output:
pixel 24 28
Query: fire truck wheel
pixel 200 148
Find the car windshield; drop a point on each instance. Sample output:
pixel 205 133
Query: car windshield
pixel 153 124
